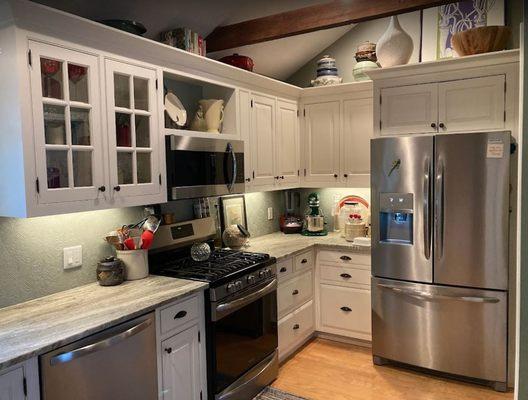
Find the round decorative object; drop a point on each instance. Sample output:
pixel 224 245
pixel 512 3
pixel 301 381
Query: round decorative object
pixel 395 47
pixel 236 60
pixel 327 80
pixel 481 40
pixel 361 67
pixel 233 237
pixel 110 271
pixel 326 62
pixel 49 67
pixel 366 52
pixel 200 251
pixel 327 73
pixel 76 72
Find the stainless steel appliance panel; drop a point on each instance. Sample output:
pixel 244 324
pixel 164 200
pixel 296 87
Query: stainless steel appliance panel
pixel 116 364
pixel 403 166
pixel 472 209
pixel 454 330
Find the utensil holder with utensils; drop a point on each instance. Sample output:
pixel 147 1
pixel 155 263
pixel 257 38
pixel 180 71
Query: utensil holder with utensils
pixel 136 263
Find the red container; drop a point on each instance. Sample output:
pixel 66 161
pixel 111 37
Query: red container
pixel 236 60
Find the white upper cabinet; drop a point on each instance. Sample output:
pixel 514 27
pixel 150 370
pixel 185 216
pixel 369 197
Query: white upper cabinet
pixel 263 140
pixel 472 104
pixel 321 142
pixel 245 134
pixel 409 109
pixel 69 152
pixel 133 131
pixel 355 139
pixel 287 143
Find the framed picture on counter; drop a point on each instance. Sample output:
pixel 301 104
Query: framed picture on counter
pixel 232 211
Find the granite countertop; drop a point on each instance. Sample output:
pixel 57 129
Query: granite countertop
pixel 38 326
pixel 280 245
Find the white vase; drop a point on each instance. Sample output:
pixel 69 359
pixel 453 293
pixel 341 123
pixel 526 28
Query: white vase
pixel 395 47
pixel 214 114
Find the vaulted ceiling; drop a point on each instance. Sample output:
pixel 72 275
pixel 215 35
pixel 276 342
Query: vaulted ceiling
pixel 278 58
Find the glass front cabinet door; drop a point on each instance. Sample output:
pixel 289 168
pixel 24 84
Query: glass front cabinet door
pixel 133 135
pixel 67 124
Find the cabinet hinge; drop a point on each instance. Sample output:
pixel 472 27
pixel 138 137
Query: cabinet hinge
pixel 504 115
pixel 305 172
pixel 297 113
pixel 304 112
pixel 160 179
pixel 253 174
pixel 201 395
pixel 380 124
pixel 24 385
pixel 504 86
pixel 156 84
pixel 298 173
pixel 199 337
pixel 30 61
pixel 251 103
pixel 37 184
pixel 380 99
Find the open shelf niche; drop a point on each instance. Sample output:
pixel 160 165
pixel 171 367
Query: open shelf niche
pixel 190 90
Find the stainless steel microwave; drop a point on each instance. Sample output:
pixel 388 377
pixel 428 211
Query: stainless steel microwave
pixel 201 167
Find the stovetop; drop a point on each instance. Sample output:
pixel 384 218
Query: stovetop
pixel 223 265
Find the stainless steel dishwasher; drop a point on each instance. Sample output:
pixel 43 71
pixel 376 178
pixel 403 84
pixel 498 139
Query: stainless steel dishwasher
pixel 116 364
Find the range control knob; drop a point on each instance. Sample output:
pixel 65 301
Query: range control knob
pixel 268 272
pixel 251 279
pixel 238 285
pixel 231 288
pixel 262 274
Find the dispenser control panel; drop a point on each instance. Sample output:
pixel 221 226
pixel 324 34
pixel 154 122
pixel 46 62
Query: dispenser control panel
pixel 396 218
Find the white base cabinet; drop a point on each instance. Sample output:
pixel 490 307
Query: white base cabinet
pixel 20 382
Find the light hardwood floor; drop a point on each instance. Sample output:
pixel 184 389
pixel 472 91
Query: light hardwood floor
pixel 327 370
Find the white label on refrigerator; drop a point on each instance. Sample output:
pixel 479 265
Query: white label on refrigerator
pixel 495 148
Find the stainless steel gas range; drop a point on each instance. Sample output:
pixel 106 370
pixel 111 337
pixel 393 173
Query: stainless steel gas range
pixel 241 311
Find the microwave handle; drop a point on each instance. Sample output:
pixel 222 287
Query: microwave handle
pixel 233 159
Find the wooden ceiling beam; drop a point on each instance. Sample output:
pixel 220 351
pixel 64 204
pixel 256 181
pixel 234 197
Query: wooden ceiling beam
pixel 310 19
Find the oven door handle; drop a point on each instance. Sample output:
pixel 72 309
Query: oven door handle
pixel 231 152
pixel 224 309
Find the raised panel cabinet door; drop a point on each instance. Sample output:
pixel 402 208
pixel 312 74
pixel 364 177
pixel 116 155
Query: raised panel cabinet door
pixel 356 135
pixel 287 143
pixel 133 131
pixel 409 109
pixel 69 151
pixel 181 366
pixel 245 131
pixel 262 140
pixel 12 385
pixel 321 130
pixel 472 104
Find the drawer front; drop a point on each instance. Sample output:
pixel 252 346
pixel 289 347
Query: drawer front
pixel 345 311
pixel 179 314
pixel 345 258
pixel 304 261
pixel 294 292
pixel 296 326
pixel 344 274
pixel 284 268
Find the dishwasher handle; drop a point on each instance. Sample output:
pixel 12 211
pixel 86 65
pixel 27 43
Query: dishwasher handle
pixel 101 345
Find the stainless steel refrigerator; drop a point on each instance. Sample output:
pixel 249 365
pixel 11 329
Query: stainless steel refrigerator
pixel 440 216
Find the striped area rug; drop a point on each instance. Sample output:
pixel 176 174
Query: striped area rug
pixel 275 394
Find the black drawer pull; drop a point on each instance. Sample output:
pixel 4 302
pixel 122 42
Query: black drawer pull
pixel 180 314
pixel 283 269
pixel 346 309
pixel 295 292
pixel 345 258
pixel 304 261
pixel 168 350
pixel 346 276
pixel 296 326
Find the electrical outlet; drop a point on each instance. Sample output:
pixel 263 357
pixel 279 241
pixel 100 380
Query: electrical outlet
pixel 270 213
pixel 72 257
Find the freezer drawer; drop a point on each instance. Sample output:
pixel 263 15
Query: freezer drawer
pixel 453 330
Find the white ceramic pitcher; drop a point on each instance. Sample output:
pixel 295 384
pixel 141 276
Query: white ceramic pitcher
pixel 214 114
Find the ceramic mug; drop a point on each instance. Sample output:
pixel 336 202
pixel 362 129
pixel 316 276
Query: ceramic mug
pixel 214 114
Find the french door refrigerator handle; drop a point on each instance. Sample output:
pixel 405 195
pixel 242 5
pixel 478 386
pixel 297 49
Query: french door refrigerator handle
pixel 439 209
pixel 431 296
pixel 426 209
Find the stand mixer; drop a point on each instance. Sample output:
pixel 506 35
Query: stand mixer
pixel 314 224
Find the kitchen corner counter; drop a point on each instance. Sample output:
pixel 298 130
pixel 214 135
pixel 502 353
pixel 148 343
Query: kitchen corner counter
pixel 38 326
pixel 280 245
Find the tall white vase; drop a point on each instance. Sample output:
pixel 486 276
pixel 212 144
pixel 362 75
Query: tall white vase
pixel 395 47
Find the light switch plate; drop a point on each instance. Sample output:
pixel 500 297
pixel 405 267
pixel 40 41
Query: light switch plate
pixel 72 257
pixel 270 213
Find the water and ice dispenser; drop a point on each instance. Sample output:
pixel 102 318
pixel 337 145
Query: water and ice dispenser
pixel 396 218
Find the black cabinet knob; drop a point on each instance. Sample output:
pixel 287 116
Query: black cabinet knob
pixel 345 258
pixel 117 188
pixel 335 175
pixel 433 125
pixel 102 189
pixel 282 177
pixel 248 179
pixel 304 261
pixel 345 175
pixel 346 309
pixel 295 327
pixel 295 292
pixel 283 269
pixel 346 276
pixel 441 125
pixel 180 314
pixel 168 350
pixel 277 177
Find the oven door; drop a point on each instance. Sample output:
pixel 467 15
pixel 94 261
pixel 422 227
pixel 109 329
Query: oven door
pixel 243 333
pixel 201 167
